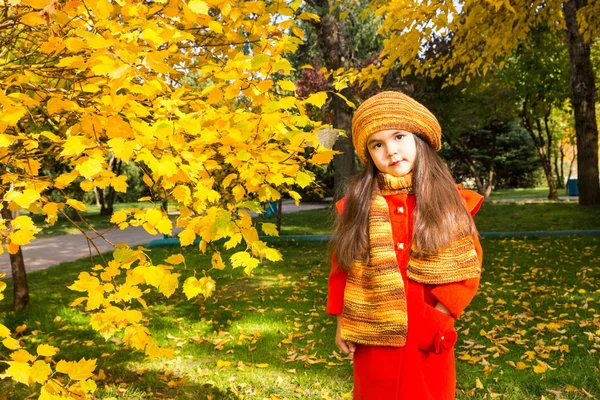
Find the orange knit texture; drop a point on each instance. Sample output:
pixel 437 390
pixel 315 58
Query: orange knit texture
pixel 393 110
pixel 375 311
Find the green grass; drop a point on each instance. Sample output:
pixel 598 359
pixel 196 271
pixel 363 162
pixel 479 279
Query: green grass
pixel 492 217
pixel 541 216
pixel 529 193
pixel 526 286
pixel 92 216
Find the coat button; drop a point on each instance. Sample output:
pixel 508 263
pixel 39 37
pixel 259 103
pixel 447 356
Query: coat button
pixel 400 210
pixel 400 246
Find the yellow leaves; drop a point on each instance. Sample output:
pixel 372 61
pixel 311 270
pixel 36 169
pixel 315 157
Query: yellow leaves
pixel 118 217
pixel 169 284
pixel 77 370
pixel 23 199
pixel 317 99
pixel 192 287
pixel 23 231
pixel 19 371
pixel 119 183
pixel 182 194
pixel 540 368
pixel 287 85
pixel 22 356
pixel 244 259
pixel 11 344
pixel 76 204
pixel 303 179
pixel 40 371
pixel 217 261
pixel 323 157
pixel 175 259
pixel 45 350
pixel 187 237
pixel 270 229
pixel 223 364
pixel 260 60
pixel 199 7
pixel 88 167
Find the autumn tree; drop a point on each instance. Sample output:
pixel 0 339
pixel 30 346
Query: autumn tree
pixel 480 36
pixel 86 83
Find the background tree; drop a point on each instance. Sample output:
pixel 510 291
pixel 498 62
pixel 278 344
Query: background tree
pixel 85 83
pixel 482 35
pixel 538 73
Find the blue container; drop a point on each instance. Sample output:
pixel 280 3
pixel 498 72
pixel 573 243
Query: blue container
pixel 270 208
pixel 572 188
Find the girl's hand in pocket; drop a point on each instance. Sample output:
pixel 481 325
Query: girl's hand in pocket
pixel 344 346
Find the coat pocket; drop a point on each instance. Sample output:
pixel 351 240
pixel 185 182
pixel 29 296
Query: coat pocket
pixel 437 331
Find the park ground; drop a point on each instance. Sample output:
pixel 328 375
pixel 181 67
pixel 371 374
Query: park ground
pixel 532 332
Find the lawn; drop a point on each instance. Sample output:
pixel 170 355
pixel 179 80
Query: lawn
pixel 92 216
pixel 492 217
pixel 268 336
pixel 528 193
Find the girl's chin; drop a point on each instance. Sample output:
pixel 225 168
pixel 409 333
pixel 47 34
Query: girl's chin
pixel 398 174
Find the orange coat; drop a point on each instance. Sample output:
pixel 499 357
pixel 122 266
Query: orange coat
pixel 424 368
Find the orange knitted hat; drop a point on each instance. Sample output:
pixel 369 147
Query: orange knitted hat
pixel 393 110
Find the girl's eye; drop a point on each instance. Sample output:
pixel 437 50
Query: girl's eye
pixel 398 137
pixel 377 145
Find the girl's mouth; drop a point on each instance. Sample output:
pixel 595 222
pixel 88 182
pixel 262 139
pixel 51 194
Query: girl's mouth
pixel 396 163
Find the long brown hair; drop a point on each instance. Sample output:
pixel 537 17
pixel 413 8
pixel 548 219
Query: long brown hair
pixel 439 218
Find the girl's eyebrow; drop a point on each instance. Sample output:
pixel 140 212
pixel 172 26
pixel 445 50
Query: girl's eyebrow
pixel 369 142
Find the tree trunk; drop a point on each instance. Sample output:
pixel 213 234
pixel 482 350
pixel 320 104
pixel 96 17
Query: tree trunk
pixel 542 146
pixel 584 101
pixel 560 170
pixel 99 193
pixel 109 193
pixel 490 182
pixel 19 275
pixel 343 164
pixel 279 212
pixel 465 156
pixel 336 53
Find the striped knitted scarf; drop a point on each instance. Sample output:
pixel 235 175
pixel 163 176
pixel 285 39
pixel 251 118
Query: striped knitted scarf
pixel 375 311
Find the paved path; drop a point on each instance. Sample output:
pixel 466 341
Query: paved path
pixel 46 252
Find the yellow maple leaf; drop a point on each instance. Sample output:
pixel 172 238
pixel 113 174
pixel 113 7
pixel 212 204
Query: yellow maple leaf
pixel 540 368
pixel 19 372
pixel 187 236
pixel 82 369
pixel 317 99
pixel 45 350
pixel 175 259
pixel 119 183
pixel 4 331
pixel 217 261
pixel 168 285
pixel 23 199
pixel 40 371
pixel 118 217
pixel 11 344
pixel 198 7
pixel 76 204
pixel 223 364
pixel 270 229
pixel 22 355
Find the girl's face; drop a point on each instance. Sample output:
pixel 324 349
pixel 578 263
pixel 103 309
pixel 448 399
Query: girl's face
pixel 393 151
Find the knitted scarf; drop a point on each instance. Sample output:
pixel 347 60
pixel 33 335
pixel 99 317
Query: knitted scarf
pixel 375 311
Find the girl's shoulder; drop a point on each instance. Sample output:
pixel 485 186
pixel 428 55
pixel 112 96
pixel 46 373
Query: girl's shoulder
pixel 473 200
pixel 340 204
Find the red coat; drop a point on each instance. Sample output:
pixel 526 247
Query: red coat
pixel 424 368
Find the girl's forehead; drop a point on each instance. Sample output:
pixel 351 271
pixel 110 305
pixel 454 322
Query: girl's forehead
pixel 385 133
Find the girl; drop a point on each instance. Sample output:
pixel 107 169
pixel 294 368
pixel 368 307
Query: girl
pixel 407 258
